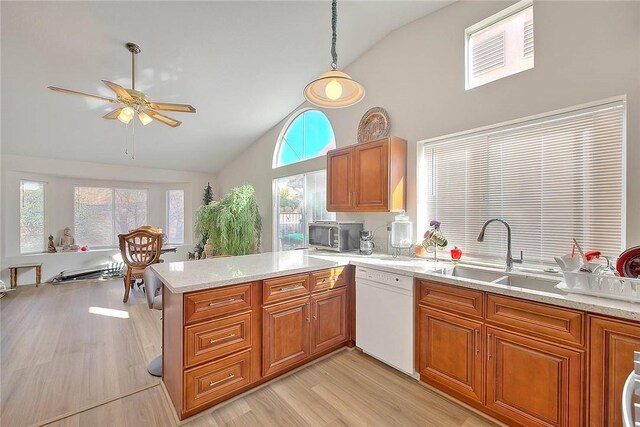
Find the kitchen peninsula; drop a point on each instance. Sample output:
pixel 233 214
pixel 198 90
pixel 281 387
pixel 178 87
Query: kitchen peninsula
pixel 231 324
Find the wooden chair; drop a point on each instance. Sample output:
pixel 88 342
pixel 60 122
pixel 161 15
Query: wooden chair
pixel 140 248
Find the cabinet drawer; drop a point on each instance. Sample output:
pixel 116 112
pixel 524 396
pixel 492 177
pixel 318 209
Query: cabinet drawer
pixel 536 319
pixel 451 298
pixel 328 279
pixel 217 338
pixel 217 302
pixel 283 288
pixel 217 379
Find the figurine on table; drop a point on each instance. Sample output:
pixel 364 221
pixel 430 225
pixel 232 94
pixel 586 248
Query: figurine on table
pixel 67 242
pixel 51 247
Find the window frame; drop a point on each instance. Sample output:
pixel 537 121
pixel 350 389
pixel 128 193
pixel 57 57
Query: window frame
pixel 115 243
pixel 487 22
pixel 166 231
pixel 44 216
pixel 279 142
pixel 422 221
pixel 275 207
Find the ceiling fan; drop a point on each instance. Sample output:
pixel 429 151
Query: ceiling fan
pixel 132 101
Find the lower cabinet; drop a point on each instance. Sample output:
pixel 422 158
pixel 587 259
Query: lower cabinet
pixel 302 327
pixel 220 342
pixel 451 352
pixel 533 382
pixel 611 360
pixel 286 334
pixel 485 357
pixel 329 323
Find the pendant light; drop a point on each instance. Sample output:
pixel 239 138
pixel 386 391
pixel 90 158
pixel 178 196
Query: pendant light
pixel 334 89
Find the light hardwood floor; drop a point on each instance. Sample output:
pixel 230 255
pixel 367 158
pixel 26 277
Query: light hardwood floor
pixel 65 365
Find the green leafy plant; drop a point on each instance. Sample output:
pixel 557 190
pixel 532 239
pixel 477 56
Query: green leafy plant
pixel 233 224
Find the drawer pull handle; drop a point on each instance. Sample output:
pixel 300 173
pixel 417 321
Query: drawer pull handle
pixel 213 383
pixel 221 339
pixel 226 301
pixel 290 288
pixel 488 346
pixel 325 281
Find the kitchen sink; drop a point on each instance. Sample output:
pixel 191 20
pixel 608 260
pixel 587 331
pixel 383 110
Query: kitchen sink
pixel 472 273
pixel 533 283
pixel 502 278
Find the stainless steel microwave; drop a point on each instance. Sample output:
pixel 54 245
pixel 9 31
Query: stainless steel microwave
pixel 339 236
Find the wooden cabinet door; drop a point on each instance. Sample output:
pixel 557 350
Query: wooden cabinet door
pixel 533 382
pixel 329 324
pixel 340 180
pixel 450 352
pixel 371 176
pixel 285 335
pixel 612 345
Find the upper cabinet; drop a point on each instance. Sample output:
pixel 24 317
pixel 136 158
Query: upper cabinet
pixel 368 177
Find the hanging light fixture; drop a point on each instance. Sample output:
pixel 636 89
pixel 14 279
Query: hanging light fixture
pixel 334 89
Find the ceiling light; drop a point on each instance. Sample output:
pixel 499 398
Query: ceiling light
pixel 144 118
pixel 334 89
pixel 126 114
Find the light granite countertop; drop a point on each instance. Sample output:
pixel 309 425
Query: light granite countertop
pixel 180 277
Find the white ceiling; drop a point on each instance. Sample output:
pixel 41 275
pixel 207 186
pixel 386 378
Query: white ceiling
pixel 243 65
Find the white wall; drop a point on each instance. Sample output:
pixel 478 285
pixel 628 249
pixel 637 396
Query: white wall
pixel 584 51
pixel 60 177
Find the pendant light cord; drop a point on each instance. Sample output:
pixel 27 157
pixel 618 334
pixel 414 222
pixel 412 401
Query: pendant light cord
pixel 334 21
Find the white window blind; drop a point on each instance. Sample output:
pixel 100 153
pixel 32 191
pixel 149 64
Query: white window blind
pixel 500 45
pixel 552 179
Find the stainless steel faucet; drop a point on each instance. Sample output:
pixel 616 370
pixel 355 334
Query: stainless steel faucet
pixel 510 259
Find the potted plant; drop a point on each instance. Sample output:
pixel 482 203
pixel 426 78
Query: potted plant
pixel 233 224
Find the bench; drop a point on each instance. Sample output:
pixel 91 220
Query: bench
pixel 13 271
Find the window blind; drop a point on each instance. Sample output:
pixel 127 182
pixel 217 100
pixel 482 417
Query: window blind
pixel 552 179
pixel 488 55
pixel 500 45
pixel 528 38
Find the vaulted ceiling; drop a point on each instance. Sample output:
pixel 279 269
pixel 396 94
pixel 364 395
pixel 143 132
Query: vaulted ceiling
pixel 242 64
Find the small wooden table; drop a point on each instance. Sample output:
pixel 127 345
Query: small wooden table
pixel 13 271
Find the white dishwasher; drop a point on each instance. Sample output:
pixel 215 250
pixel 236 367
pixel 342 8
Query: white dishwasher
pixel 384 317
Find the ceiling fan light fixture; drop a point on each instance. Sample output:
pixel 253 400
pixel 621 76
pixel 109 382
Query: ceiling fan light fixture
pixel 131 101
pixel 144 118
pixel 334 89
pixel 126 115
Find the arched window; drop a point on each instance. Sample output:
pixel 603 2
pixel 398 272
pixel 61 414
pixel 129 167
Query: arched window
pixel 308 135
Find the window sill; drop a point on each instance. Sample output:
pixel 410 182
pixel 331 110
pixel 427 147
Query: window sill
pixel 34 254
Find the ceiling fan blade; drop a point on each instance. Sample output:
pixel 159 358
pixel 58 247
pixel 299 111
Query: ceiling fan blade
pixel 119 90
pixel 183 108
pixel 74 92
pixel 113 115
pixel 164 119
